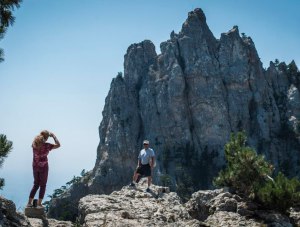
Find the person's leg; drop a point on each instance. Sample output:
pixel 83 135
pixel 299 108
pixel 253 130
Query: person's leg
pixel 138 178
pixel 149 181
pixel 133 179
pixel 149 176
pixel 135 176
pixel 35 187
pixel 43 182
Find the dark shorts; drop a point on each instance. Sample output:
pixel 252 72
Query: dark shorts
pixel 144 170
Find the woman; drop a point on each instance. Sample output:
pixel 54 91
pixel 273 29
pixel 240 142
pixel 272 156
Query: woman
pixel 40 164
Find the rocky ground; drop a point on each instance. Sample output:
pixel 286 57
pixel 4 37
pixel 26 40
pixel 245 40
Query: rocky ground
pixel 35 222
pixel 9 217
pixel 132 206
pixel 221 208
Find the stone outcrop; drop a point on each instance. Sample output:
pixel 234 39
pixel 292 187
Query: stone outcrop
pixel 36 222
pixel 9 216
pixel 132 206
pixel 221 208
pixel 135 207
pixel 37 218
pixel 187 100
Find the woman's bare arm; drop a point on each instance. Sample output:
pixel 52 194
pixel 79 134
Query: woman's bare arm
pixel 57 143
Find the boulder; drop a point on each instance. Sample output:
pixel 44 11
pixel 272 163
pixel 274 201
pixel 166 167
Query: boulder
pixel 9 216
pixel 221 208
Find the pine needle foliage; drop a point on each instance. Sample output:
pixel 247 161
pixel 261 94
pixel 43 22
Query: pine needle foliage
pixel 245 170
pixel 5 148
pixel 249 174
pixel 6 18
pixel 282 193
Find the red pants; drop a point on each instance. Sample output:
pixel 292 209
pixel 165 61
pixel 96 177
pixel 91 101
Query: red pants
pixel 40 181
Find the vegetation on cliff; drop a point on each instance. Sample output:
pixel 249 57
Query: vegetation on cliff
pixel 250 174
pixel 5 148
pixel 6 18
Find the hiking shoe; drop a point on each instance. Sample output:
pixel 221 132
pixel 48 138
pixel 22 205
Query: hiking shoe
pixel 132 184
pixel 148 190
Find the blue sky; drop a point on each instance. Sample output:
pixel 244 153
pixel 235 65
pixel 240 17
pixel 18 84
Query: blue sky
pixel 61 55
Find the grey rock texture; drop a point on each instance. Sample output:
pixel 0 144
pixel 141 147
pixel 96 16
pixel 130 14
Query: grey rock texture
pixel 135 207
pixel 35 222
pixel 221 208
pixel 132 206
pixel 9 216
pixel 50 223
pixel 186 101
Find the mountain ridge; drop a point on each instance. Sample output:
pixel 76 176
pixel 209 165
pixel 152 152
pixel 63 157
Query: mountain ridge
pixel 187 100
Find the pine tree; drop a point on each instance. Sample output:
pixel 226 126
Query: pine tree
pixel 245 169
pixel 6 17
pixel 282 193
pixel 5 148
pixel 249 174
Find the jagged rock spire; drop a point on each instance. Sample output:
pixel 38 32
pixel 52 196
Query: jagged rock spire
pixel 187 101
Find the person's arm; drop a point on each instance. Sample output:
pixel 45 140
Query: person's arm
pixel 57 143
pixel 152 162
pixel 139 160
pixel 34 144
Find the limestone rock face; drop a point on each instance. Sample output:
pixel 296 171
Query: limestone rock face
pixel 186 101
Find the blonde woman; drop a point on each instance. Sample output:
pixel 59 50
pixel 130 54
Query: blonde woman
pixel 40 166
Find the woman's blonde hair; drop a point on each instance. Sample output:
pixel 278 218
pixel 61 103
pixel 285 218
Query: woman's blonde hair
pixel 40 139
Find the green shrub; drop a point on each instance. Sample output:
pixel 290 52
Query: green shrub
pixel 281 193
pixel 245 169
pixel 5 149
pixel 249 174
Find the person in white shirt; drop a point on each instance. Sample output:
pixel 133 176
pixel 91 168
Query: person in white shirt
pixel 146 161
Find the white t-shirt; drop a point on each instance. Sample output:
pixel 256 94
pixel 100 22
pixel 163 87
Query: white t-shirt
pixel 145 155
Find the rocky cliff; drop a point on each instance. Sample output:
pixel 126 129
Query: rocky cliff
pixel 186 101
